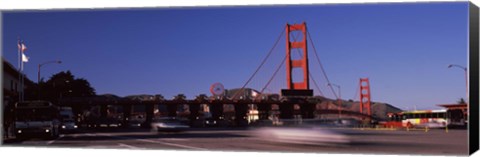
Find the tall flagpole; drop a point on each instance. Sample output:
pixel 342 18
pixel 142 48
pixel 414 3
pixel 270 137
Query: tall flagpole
pixel 23 80
pixel 19 68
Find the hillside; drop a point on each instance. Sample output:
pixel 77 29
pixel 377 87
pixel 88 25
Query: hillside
pixel 378 109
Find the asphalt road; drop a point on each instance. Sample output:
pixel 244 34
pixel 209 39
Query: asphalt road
pixel 433 142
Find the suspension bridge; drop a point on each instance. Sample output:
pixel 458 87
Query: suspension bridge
pixel 296 99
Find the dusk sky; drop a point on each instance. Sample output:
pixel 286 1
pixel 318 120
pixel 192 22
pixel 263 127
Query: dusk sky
pixel 404 49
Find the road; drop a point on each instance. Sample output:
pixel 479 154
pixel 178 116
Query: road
pixel 433 142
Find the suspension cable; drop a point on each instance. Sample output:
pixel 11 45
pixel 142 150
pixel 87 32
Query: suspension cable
pixel 355 96
pixel 262 63
pixel 316 85
pixel 275 73
pixel 320 63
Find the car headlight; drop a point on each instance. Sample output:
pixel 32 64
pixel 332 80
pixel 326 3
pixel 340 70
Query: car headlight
pixel 46 130
pixel 19 131
pixel 75 126
pixel 63 127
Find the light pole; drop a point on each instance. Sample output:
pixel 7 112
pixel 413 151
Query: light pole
pixel 339 98
pixel 38 76
pixel 466 78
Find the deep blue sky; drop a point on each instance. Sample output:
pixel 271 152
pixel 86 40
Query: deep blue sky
pixel 403 48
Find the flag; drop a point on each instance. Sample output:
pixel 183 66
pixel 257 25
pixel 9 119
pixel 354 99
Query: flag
pixel 24 58
pixel 21 46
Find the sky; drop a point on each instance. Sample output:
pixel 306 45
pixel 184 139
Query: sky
pixel 404 49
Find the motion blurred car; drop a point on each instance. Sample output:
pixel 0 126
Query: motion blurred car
pixel 346 122
pixel 431 125
pixel 168 124
pixel 302 135
pixel 68 125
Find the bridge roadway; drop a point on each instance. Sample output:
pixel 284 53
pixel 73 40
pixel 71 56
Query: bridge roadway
pixel 433 142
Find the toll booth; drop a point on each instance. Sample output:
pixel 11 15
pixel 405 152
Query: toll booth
pixel 457 114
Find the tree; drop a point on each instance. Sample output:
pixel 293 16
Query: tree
pixel 461 101
pixel 65 85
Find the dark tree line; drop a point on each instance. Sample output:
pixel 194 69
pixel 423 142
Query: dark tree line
pixel 60 85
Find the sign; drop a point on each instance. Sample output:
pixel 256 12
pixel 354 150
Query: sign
pixel 217 89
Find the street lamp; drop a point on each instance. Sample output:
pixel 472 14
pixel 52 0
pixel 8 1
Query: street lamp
pixel 339 98
pixel 38 76
pixel 466 77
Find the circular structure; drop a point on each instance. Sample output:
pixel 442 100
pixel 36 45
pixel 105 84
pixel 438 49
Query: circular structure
pixel 217 89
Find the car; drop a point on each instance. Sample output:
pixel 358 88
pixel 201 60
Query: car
pixel 210 122
pixel 168 124
pixel 431 125
pixel 69 125
pixel 108 123
pixel 302 135
pixel 134 123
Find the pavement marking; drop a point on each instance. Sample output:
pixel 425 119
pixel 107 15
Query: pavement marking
pixel 59 137
pixel 171 144
pixel 174 139
pixel 103 147
pixel 128 146
pixel 152 141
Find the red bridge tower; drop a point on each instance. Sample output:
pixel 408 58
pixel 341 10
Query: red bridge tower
pixel 365 95
pixel 297 88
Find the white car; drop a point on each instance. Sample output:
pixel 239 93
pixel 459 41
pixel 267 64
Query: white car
pixel 168 124
pixel 302 135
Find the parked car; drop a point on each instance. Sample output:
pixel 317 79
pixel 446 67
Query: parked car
pixel 168 124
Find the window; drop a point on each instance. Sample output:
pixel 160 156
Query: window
pixel 442 115
pixel 409 116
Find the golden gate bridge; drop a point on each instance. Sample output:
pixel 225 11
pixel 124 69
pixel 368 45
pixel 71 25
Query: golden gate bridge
pixel 296 99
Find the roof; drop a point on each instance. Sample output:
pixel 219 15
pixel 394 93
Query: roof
pixel 8 68
pixel 453 106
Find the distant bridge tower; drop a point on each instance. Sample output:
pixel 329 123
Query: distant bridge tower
pixel 365 95
pixel 297 88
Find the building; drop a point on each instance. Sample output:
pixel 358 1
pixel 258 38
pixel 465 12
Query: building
pixel 457 114
pixel 11 92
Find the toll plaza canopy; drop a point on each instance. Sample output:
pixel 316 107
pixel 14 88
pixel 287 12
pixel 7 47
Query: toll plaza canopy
pixel 455 106
pixel 451 107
